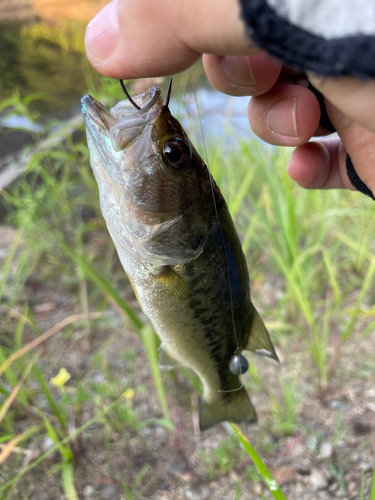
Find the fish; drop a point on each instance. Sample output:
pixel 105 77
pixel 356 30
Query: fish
pixel 178 244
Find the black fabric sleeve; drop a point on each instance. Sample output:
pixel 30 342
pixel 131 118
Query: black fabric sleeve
pixel 352 55
pixel 304 51
pixel 355 180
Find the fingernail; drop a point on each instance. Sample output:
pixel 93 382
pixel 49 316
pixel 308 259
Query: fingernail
pixel 102 33
pixel 281 117
pixel 238 70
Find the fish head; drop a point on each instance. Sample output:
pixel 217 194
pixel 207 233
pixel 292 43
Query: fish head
pixel 155 190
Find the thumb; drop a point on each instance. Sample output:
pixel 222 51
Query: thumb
pixel 139 38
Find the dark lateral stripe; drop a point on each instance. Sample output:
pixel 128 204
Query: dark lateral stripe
pixel 216 349
pixel 198 312
pixel 195 303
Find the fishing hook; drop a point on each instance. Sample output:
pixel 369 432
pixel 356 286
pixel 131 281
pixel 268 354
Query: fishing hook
pixel 128 96
pixel 168 93
pixel 135 104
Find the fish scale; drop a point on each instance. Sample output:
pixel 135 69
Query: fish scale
pixel 177 242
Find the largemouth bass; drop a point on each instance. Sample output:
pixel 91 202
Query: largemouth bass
pixel 177 243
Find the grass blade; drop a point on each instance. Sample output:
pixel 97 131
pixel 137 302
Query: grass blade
pixel 62 324
pixel 8 402
pixel 149 340
pixel 11 445
pixel 8 261
pixel 372 492
pixel 48 394
pixel 262 469
pixel 68 481
pixel 93 274
pixel 98 417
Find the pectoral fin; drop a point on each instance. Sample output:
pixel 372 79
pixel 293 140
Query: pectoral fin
pixel 259 340
pixel 238 410
pixel 166 361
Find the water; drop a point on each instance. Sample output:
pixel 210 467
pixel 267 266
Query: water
pixel 47 57
pixel 220 113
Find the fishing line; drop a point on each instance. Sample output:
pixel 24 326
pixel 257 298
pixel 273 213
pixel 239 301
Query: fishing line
pixel 236 353
pixel 237 362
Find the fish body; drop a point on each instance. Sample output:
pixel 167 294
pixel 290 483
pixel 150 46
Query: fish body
pixel 177 242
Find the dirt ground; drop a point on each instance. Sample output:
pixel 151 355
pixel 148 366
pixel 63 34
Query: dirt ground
pixel 328 455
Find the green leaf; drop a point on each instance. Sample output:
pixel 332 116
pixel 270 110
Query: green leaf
pixel 67 475
pixel 149 340
pixel 262 469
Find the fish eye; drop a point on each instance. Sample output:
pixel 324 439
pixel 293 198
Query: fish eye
pixel 177 153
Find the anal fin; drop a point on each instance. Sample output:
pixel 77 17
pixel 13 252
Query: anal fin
pixel 166 361
pixel 259 340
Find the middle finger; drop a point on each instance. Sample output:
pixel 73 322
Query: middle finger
pixel 242 75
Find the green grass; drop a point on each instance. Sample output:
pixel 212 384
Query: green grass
pixel 316 247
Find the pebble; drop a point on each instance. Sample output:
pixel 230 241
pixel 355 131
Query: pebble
pixel 334 404
pixel 352 488
pixel 323 495
pixel 366 466
pixel 174 468
pixel 297 451
pixel 317 480
pixel 257 488
pixel 110 491
pixel 45 307
pixel 47 443
pixel 161 433
pixel 88 491
pixel 300 488
pixel 234 477
pixel 98 378
pixel 326 449
pixel 195 495
pixel 370 393
pixel 43 496
pixel 333 487
pixel 370 406
pixel 312 442
pixel 184 476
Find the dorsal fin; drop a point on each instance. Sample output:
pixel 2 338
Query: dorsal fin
pixel 259 340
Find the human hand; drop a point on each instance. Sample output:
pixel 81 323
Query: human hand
pixel 285 112
pixel 138 38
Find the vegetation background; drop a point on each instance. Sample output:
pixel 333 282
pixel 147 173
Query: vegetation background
pixel 84 410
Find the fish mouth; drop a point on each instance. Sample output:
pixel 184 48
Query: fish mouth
pixel 93 109
pixel 145 101
pixel 95 113
pixel 122 124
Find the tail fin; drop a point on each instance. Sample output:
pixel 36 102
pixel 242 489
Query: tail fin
pixel 238 410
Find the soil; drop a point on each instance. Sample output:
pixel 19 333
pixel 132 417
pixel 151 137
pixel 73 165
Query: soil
pixel 323 459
